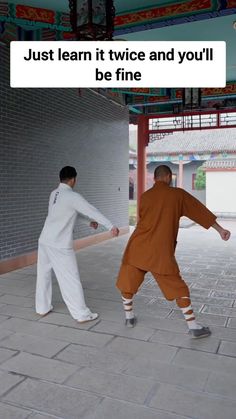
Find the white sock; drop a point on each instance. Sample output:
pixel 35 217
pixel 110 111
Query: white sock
pixel 190 318
pixel 128 307
pixel 192 324
pixel 129 315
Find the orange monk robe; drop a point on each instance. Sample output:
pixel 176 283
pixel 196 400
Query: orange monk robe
pixel 152 245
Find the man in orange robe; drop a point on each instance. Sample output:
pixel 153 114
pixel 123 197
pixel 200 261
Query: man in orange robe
pixel 151 247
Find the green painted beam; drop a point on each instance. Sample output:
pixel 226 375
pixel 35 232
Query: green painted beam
pixel 134 110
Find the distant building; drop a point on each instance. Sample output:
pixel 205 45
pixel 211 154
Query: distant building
pixel 184 153
pixel 221 187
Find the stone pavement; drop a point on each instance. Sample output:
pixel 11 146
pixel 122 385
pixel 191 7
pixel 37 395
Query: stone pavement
pixel 54 368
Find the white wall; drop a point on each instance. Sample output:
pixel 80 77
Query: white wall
pixel 221 191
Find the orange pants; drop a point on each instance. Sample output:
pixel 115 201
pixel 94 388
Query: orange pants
pixel 130 279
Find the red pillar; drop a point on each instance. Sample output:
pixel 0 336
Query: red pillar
pixel 142 144
pixel 181 174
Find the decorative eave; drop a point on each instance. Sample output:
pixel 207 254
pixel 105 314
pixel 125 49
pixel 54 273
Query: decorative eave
pixel 125 22
pixel 172 14
pixel 34 17
pixel 185 157
pixel 220 166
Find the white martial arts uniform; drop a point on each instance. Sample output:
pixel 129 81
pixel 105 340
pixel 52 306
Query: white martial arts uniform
pixel 56 252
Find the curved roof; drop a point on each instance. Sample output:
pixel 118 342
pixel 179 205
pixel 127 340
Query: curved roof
pixel 200 142
pixel 220 164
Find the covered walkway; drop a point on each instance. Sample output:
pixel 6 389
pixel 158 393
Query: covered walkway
pixel 54 368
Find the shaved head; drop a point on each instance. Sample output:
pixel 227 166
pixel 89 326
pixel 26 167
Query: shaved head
pixel 162 172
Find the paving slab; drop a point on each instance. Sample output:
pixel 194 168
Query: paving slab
pixel 221 384
pixel 19 273
pixel 4 333
pixel 13 280
pixel 212 301
pixel 182 340
pixel 67 403
pixel 157 301
pixel 39 416
pixel 39 367
pixel 17 300
pixel 95 303
pixel 138 332
pixel 118 386
pixel 115 409
pixel 137 347
pixel 222 311
pixel 111 316
pixel 8 380
pixel 200 292
pixel 83 337
pixel 229 285
pixel 6 354
pixel 68 334
pixel 3 318
pixel 28 327
pixel 20 289
pixel 205 319
pixel 197 405
pixel 223 294
pixel 59 307
pixel 21 312
pixel 33 344
pixel 175 325
pixel 206 361
pixel 232 323
pixel 112 295
pixel 227 348
pixel 207 284
pixel 11 412
pixel 100 358
pixel 153 309
pixel 65 320
pixel 167 373
pixel 224 333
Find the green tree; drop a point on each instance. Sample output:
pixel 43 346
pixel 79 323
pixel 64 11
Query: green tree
pixel 200 181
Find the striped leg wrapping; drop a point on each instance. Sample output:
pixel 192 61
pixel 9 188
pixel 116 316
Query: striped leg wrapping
pixel 128 307
pixel 184 304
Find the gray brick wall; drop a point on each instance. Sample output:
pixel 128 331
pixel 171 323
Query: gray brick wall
pixel 42 130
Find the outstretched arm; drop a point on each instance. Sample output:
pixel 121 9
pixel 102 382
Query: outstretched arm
pixel 89 211
pixel 224 234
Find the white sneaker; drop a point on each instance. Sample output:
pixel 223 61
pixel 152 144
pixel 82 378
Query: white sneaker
pixel 45 314
pixel 88 318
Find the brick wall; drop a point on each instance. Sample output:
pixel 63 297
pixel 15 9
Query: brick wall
pixel 42 130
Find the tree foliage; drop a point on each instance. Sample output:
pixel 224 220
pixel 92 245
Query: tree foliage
pixel 200 181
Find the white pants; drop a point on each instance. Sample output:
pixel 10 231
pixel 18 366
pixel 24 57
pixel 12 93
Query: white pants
pixel 63 263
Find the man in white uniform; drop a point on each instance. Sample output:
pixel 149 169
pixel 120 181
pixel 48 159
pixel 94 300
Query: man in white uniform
pixel 56 252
